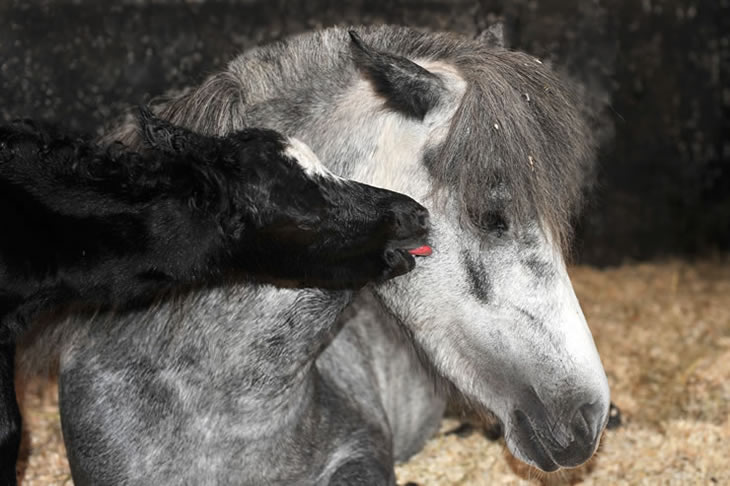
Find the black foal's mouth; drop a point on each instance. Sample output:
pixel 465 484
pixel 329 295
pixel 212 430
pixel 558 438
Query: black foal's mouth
pixel 421 251
pixel 418 246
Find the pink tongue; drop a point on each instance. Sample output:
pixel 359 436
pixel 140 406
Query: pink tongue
pixel 424 250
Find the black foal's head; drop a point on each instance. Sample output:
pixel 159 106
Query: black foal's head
pixel 284 202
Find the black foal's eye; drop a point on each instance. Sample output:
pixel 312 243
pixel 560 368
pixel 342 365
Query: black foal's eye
pixel 491 222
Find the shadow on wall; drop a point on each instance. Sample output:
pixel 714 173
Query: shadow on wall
pixel 656 75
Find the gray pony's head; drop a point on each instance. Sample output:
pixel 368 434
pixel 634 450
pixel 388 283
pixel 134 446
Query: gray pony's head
pixel 492 143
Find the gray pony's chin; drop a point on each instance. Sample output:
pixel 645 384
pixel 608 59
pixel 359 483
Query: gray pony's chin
pixel 524 445
pixel 539 459
pixel 527 445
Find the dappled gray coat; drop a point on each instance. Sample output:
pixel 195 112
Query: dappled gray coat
pixel 257 385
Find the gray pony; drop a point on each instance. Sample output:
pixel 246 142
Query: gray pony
pixel 260 385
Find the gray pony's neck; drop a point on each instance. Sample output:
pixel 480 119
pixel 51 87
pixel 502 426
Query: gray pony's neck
pixel 259 340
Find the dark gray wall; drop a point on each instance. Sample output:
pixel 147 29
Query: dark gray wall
pixel 656 74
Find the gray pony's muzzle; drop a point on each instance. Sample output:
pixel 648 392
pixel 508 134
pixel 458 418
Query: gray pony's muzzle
pixel 553 444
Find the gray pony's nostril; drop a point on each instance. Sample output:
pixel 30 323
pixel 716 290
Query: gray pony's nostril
pixel 575 445
pixel 588 422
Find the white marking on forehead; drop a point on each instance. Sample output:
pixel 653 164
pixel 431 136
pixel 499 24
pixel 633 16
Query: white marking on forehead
pixel 307 160
pixel 440 67
pixel 396 141
pixel 439 119
pixel 359 99
pixel 395 159
pixel 395 162
pixel 449 73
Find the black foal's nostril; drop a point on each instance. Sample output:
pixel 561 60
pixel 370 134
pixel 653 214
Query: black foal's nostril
pixel 398 262
pixel 401 220
pixel 391 257
pixel 409 219
pixel 423 219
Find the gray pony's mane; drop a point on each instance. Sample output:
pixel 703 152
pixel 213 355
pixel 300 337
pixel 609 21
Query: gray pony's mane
pixel 517 143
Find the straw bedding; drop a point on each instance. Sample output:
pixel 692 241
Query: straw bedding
pixel 663 331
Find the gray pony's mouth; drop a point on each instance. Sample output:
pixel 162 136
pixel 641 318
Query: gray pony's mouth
pixel 529 444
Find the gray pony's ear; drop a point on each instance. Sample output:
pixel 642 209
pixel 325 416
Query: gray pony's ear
pixel 159 134
pixel 407 87
pixel 493 36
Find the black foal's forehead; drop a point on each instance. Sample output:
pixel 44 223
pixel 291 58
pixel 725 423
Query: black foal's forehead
pixel 258 135
pixel 256 144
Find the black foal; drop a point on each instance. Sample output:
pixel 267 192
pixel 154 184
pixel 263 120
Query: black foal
pixel 110 228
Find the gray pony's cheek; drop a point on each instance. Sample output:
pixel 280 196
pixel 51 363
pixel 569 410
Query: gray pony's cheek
pixel 538 268
pixel 478 277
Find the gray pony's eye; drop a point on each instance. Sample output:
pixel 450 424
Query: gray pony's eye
pixel 491 222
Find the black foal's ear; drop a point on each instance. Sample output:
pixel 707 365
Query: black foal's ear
pixel 407 87
pixel 162 135
pixel 493 36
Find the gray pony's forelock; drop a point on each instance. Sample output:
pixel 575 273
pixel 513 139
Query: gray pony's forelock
pixel 517 143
